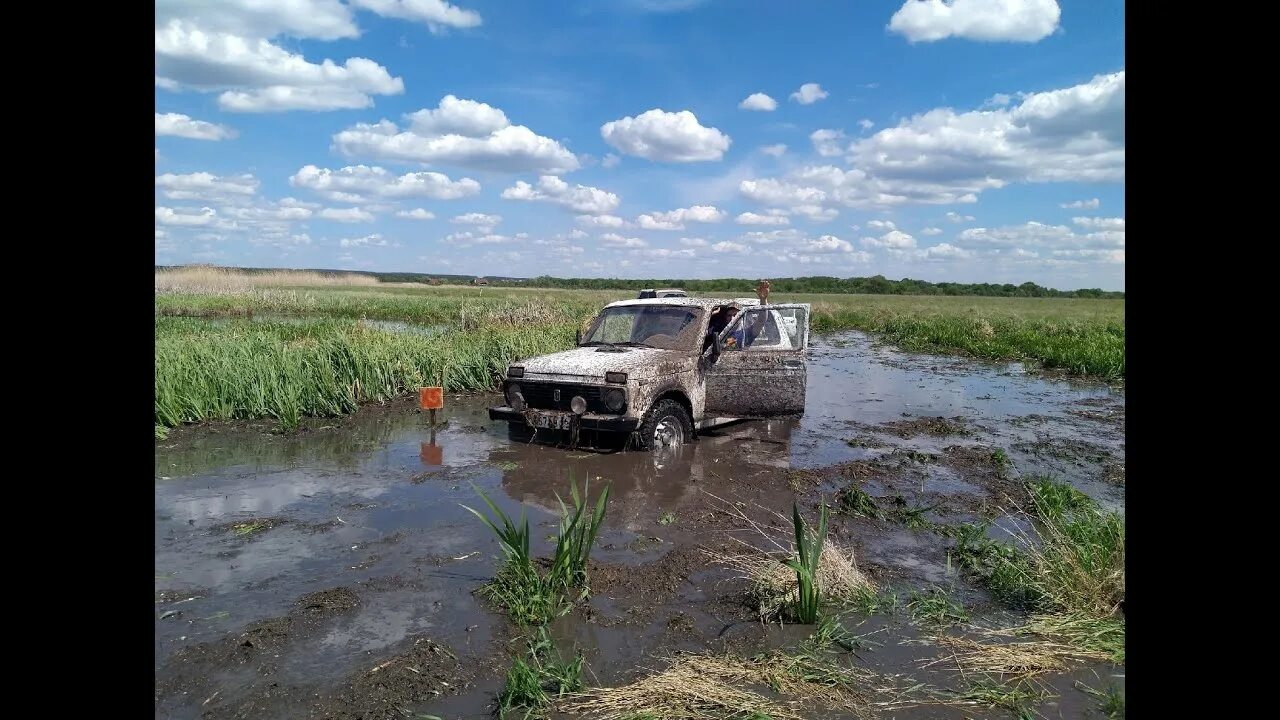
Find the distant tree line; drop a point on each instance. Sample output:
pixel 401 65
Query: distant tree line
pixel 875 285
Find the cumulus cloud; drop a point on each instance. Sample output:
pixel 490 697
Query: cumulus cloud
pixel 358 183
pixel 416 214
pixel 475 218
pixel 610 160
pixel 1091 204
pixel 458 132
pixel 206 186
pixel 185 216
pixel 771 217
pixel 774 150
pixel 727 246
pixel 693 242
pixel 675 219
pixel 866 124
pixel 436 14
pixel 1105 244
pixel 894 239
pixel 666 137
pixel 956 217
pixel 828 244
pixel 374 240
pixel 668 253
pixel 179 125
pixel 809 93
pixel 618 241
pixel 881 225
pixel 347 215
pixel 985 20
pixel 929 231
pixel 816 213
pixel 1099 223
pixel 759 101
pixel 828 143
pixel 579 198
pixel 612 221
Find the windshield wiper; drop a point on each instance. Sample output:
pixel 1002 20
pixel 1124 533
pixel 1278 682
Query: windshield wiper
pixel 590 343
pixel 636 344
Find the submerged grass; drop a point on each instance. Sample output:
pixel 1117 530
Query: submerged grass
pixel 1069 575
pixel 540 677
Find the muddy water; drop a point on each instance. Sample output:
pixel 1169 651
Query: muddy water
pixel 249 522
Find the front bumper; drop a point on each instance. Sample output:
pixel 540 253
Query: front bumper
pixel 588 421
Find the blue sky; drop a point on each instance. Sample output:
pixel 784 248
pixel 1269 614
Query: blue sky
pixel 965 140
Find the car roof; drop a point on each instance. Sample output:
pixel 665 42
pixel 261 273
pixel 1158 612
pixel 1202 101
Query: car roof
pixel 701 302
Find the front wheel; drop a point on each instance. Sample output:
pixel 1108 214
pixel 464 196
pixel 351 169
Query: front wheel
pixel 667 424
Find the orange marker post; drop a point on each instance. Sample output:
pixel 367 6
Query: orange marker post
pixel 431 399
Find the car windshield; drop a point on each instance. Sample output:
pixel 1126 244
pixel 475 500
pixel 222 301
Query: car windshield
pixel 668 327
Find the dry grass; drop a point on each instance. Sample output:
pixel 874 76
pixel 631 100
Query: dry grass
pixel 214 280
pixel 1022 660
pixel 706 687
pixel 775 586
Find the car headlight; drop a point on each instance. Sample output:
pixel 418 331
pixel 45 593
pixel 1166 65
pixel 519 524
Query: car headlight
pixel 515 371
pixel 578 404
pixel 514 397
pixel 615 377
pixel 614 399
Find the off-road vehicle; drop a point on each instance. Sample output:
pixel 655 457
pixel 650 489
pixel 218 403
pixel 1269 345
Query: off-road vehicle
pixel 651 370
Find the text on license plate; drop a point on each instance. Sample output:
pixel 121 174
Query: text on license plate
pixel 551 421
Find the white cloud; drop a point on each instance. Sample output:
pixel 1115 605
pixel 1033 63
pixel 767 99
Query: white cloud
pixel 346 215
pixel 894 239
pixel 828 142
pixel 816 213
pixel 774 150
pixel 771 217
pixel 675 219
pixel 178 125
pixel 726 246
pixel 417 214
pixel 987 20
pixel 769 237
pixel 1091 204
pixel 618 241
pixel 998 100
pixel 666 137
pixel 945 251
pixel 809 93
pixel 254 74
pixel 668 253
pixel 866 124
pixel 374 240
pixel 759 101
pixel 1059 241
pixel 475 218
pixel 881 225
pixel 828 244
pixel 286 210
pixel 437 14
pixel 206 186
pixel 612 221
pixel 483 237
pixel 458 132
pixel 1099 223
pixel 693 242
pixel 357 183
pixel 930 231
pixel 956 217
pixel 610 160
pixel 185 216
pixel 777 192
pixel 552 189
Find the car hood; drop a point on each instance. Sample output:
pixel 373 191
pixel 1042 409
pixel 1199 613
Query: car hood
pixel 589 364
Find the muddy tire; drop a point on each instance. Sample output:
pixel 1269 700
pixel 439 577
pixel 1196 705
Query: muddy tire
pixel 666 424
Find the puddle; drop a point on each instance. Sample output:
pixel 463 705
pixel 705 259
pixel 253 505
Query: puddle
pixel 372 503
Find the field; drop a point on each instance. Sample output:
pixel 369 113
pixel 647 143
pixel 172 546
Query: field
pixel 289 345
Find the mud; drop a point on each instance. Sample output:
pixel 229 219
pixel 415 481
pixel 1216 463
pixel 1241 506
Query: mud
pixel 389 580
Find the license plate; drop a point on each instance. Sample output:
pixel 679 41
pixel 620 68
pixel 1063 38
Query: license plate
pixel 550 420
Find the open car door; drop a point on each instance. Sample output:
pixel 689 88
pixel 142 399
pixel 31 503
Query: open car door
pixel 760 371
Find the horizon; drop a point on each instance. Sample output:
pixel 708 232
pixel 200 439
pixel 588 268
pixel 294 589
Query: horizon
pixel 964 143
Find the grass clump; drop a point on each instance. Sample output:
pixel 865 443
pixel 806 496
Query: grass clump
pixel 854 500
pixel 935 607
pixel 808 555
pixel 537 679
pixel 1070 575
pixel 529 595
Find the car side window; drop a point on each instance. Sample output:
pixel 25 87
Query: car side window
pixel 765 329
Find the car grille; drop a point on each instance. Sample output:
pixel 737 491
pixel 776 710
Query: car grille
pixel 541 396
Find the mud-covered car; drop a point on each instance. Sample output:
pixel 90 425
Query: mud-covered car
pixel 651 369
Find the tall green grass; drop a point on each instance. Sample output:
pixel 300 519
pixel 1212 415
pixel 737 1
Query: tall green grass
pixel 805 564
pixel 321 368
